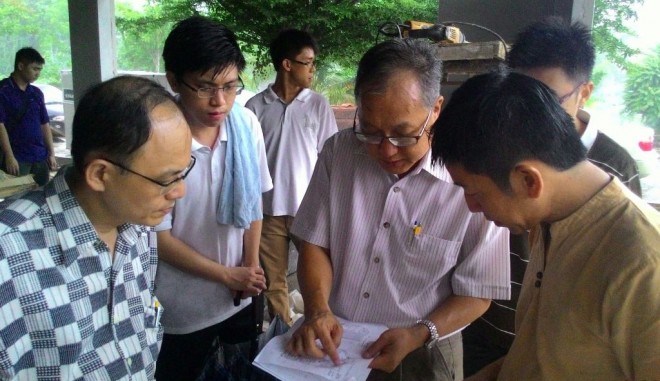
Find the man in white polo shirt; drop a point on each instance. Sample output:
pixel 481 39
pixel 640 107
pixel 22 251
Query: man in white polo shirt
pixel 296 121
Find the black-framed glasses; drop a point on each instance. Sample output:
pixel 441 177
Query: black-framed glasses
pixel 306 64
pixel 564 97
pixel 397 141
pixel 165 186
pixel 211 92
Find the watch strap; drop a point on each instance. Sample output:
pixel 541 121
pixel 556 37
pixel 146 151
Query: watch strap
pixel 433 330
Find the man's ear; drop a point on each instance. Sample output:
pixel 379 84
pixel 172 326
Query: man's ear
pixel 286 64
pixel 437 107
pixel 527 180
pixel 585 93
pixel 97 174
pixel 171 79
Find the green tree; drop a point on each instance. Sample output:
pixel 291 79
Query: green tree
pixel 642 93
pixel 140 37
pixel 343 28
pixel 43 25
pixel 609 29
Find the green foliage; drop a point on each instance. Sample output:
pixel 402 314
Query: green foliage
pixel 642 93
pixel 609 29
pixel 344 29
pixel 140 37
pixel 43 25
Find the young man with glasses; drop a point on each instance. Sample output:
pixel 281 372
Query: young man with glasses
pixel 78 256
pixel 295 121
pixel 387 237
pixel 562 56
pixel 209 243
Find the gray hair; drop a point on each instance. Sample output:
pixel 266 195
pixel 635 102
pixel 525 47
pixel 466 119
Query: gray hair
pixel 383 61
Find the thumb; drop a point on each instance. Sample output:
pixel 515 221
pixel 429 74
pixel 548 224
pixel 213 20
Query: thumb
pixel 374 349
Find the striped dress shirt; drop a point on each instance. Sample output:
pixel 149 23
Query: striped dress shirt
pixel 383 271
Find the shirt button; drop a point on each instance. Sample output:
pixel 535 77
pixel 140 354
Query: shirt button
pixel 396 189
pixel 377 260
pixel 366 295
pixel 539 274
pixel 386 225
pixel 130 362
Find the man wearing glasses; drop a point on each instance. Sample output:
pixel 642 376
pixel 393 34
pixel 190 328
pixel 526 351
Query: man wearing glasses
pixel 562 56
pixel 387 236
pixel 295 121
pixel 209 243
pixel 78 256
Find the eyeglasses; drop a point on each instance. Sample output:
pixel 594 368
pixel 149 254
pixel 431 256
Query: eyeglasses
pixel 211 92
pixel 564 97
pixel 398 141
pixel 165 186
pixel 308 64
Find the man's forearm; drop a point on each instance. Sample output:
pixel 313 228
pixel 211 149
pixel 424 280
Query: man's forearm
pixel 178 254
pixel 314 277
pixel 48 138
pixel 251 239
pixel 4 141
pixel 455 313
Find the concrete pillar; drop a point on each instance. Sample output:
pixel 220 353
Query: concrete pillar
pixel 93 51
pixel 93 44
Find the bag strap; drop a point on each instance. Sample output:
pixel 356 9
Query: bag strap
pixel 22 111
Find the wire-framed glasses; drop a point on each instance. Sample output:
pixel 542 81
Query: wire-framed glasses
pixel 564 97
pixel 210 92
pixel 397 141
pixel 165 186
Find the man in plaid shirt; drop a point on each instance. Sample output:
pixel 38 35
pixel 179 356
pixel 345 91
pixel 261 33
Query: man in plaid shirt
pixel 77 264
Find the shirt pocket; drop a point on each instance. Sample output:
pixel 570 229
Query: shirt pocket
pixel 428 258
pixel 152 326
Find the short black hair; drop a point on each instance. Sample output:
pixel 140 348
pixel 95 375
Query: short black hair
pixel 200 44
pixel 554 42
pixel 288 44
pixel 113 118
pixel 28 55
pixel 381 62
pixel 495 120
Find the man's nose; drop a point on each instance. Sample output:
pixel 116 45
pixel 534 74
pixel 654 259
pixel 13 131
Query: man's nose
pixel 177 192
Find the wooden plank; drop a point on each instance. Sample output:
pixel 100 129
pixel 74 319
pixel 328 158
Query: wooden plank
pixel 489 50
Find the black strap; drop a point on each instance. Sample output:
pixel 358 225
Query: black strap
pixel 21 112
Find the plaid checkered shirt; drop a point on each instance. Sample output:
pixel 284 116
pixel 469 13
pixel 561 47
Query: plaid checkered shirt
pixel 67 311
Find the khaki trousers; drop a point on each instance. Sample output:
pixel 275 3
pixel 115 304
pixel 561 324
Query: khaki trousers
pixel 274 256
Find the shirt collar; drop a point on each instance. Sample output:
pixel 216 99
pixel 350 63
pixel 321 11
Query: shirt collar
pixel 75 231
pixel 590 131
pixel 425 164
pixel 270 96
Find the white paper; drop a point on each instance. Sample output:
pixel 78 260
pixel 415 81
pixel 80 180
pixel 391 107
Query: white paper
pixel 357 336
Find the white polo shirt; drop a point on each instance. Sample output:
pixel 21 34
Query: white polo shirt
pixel 193 303
pixel 294 134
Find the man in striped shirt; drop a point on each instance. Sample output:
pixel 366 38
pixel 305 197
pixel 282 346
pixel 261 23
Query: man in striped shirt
pixel 387 237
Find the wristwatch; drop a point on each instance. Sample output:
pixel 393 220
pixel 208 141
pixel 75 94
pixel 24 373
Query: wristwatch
pixel 433 330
